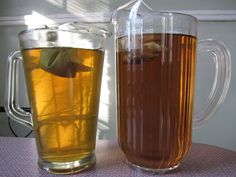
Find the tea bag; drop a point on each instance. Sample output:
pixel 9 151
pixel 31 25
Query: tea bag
pixel 134 33
pixel 57 61
pixel 62 62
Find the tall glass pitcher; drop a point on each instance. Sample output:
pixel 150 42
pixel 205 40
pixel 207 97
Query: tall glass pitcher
pixel 63 68
pixel 155 67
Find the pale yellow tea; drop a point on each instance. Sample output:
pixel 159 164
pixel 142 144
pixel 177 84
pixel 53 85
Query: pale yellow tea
pixel 64 88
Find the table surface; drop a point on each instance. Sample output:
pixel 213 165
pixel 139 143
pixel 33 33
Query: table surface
pixel 18 158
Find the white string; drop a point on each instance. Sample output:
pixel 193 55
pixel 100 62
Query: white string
pixel 149 8
pixel 125 5
pixel 134 10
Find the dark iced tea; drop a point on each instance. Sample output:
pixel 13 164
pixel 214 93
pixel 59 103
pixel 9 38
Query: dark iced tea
pixel 155 98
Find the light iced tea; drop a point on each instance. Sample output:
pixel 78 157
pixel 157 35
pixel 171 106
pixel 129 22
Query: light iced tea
pixel 64 97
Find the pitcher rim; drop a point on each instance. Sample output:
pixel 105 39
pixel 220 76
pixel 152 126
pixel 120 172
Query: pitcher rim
pixel 89 28
pixel 161 13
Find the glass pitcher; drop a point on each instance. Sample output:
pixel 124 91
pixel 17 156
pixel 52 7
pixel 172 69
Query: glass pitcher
pixel 155 68
pixel 63 69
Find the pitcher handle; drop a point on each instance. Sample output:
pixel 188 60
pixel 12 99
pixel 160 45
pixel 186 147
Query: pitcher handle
pixel 222 61
pixel 11 104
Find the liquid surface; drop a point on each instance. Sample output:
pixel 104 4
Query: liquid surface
pixel 155 98
pixel 64 99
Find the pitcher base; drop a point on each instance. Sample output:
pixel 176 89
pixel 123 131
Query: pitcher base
pixel 67 167
pixel 152 170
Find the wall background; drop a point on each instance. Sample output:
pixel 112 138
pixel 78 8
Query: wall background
pixel 217 20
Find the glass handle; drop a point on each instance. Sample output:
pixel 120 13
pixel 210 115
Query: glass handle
pixel 222 61
pixel 11 103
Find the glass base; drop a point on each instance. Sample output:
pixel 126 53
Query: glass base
pixel 152 170
pixel 67 167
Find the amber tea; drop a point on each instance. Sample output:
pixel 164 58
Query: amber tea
pixel 155 98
